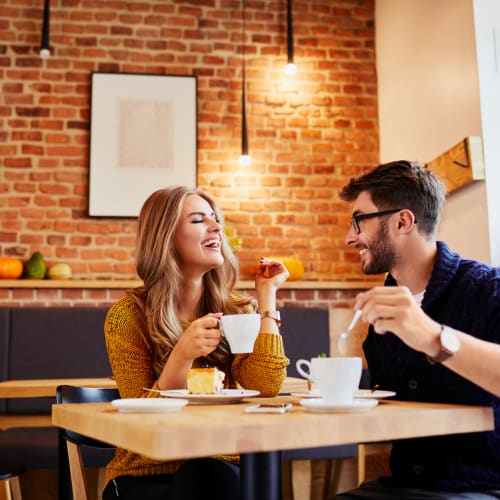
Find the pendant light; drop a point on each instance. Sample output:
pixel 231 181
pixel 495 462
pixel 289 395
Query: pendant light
pixel 45 44
pixel 245 159
pixel 290 68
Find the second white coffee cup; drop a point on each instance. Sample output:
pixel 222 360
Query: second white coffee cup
pixel 337 378
pixel 240 330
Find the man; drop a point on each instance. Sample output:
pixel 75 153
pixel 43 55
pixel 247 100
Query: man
pixel 434 332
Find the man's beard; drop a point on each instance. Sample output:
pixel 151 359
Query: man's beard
pixel 382 256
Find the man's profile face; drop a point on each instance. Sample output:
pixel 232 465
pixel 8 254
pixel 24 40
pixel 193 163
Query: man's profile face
pixel 373 241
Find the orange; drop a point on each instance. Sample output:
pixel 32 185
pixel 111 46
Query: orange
pixel 295 267
pixel 10 268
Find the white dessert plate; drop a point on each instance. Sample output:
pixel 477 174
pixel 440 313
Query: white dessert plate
pixel 148 405
pixel 318 405
pixel 360 394
pixel 222 397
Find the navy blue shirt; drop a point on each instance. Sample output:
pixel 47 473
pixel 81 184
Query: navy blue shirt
pixel 465 295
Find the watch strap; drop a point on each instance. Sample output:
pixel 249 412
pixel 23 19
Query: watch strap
pixel 272 315
pixel 443 354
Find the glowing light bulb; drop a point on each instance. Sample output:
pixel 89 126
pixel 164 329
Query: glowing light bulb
pixel 290 69
pixel 245 160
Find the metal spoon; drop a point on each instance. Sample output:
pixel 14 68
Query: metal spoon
pixel 343 338
pixel 150 390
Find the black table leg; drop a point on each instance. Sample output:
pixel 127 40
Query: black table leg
pixel 64 478
pixel 261 476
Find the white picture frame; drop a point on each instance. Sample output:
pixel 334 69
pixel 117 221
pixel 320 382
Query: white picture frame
pixel 143 137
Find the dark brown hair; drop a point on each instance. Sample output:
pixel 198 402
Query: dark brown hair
pixel 402 184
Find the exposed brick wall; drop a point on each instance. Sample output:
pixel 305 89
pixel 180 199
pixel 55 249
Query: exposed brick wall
pixel 307 135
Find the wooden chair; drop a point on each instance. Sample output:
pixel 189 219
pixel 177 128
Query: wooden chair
pixel 75 442
pixel 10 485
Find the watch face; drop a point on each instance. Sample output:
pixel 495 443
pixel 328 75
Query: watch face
pixel 449 340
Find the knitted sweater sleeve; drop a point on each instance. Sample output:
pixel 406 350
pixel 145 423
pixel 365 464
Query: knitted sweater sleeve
pixel 130 351
pixel 264 369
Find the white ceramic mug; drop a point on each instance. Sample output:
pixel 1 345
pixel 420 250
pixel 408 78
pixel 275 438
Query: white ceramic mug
pixel 240 330
pixel 337 378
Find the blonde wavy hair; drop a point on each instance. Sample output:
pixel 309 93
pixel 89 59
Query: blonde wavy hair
pixel 158 267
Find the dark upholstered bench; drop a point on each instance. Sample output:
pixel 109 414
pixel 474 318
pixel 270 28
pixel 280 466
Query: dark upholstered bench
pixel 52 342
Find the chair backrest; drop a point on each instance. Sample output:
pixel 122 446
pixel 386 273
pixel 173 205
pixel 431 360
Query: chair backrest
pixel 306 334
pixel 70 456
pixel 74 394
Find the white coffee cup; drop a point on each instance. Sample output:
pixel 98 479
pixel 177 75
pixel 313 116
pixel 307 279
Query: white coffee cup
pixel 240 330
pixel 337 378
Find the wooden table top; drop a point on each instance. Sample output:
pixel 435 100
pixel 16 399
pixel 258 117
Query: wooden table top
pixel 39 388
pixel 15 421
pixel 205 430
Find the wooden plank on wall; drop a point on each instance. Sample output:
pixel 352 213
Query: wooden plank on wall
pixel 461 164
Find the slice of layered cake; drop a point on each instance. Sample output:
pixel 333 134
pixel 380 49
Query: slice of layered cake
pixel 205 381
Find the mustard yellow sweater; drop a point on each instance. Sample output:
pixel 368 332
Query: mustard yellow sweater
pixel 130 352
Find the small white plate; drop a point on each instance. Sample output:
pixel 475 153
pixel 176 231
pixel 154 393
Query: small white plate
pixel 148 405
pixel 223 397
pixel 318 405
pixel 368 393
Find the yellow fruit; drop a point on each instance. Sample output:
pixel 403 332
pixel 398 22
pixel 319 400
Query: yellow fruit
pixel 10 268
pixel 59 271
pixel 294 266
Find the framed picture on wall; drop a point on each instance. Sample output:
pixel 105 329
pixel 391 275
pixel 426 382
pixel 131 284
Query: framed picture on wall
pixel 142 138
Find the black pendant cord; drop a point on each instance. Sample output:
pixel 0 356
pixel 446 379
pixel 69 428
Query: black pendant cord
pixel 244 129
pixel 289 33
pixel 45 43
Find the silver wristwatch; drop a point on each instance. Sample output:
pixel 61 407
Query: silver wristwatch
pixel 450 344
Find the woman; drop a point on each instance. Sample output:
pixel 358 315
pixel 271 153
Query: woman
pixel 157 332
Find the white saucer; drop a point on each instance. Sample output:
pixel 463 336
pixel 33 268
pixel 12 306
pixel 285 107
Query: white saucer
pixel 148 405
pixel 360 393
pixel 318 405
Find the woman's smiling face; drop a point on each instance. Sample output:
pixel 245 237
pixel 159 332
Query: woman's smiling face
pixel 198 237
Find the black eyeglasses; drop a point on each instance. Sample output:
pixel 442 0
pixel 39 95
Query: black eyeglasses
pixel 355 220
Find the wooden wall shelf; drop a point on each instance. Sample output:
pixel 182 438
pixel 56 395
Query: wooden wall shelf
pixel 461 164
pixel 123 284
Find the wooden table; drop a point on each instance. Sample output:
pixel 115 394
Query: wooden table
pixel 40 388
pixel 196 431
